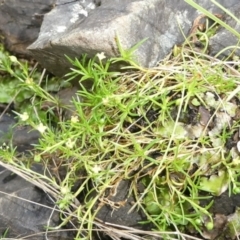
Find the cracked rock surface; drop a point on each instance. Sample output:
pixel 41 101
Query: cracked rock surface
pixel 20 22
pixel 86 27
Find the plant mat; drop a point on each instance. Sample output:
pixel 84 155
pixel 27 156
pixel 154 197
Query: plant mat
pixel 171 132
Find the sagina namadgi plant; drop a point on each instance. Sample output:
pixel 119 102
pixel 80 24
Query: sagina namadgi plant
pixel 166 130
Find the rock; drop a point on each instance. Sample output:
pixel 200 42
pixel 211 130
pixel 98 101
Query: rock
pixel 116 209
pixel 24 137
pixel 224 38
pixel 21 137
pixel 65 99
pixel 20 22
pixel 63 107
pixel 84 27
pixel 7 122
pixel 26 210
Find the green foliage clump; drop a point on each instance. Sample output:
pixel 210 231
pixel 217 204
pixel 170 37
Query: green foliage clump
pixel 156 127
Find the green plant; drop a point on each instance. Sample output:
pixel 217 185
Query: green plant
pixel 21 82
pixel 156 127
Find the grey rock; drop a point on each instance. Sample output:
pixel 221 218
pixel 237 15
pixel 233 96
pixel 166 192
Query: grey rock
pixel 26 210
pixel 224 38
pixel 118 209
pixel 20 22
pixel 65 98
pixel 73 28
pixel 7 122
pixel 21 137
pixel 24 138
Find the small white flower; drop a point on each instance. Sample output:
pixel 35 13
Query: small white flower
pixel 24 117
pixel 4 147
pixel 74 119
pixel 101 56
pixel 70 143
pixel 65 190
pixel 29 81
pixel 105 101
pixel 41 128
pixel 96 169
pixel 13 59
